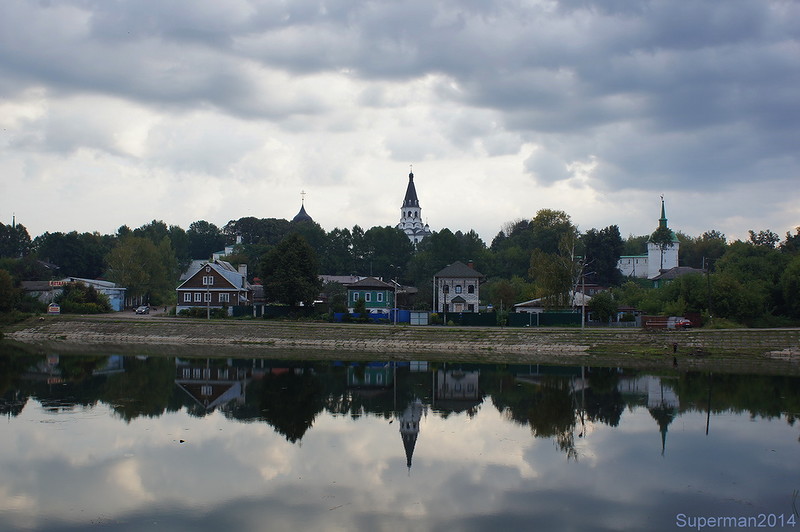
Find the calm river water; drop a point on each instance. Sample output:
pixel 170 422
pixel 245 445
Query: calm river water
pixel 138 443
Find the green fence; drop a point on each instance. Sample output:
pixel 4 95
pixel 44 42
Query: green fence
pixel 481 319
pixel 543 319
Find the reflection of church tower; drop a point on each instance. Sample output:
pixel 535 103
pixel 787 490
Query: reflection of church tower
pixel 411 215
pixel 409 428
pixel 663 404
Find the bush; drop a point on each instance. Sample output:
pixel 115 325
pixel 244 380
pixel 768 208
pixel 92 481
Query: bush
pixel 198 312
pixel 435 319
pixel 81 299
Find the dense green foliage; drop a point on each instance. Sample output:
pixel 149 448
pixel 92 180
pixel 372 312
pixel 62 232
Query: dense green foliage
pixel 752 282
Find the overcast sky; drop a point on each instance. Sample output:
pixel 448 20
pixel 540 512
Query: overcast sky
pixel 123 112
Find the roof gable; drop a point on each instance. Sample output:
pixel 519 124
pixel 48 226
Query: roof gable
pixel 459 269
pixel 223 269
pixel 370 282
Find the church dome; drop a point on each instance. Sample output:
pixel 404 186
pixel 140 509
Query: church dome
pixel 302 216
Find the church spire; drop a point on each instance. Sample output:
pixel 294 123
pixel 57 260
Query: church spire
pixel 662 222
pixel 411 199
pixel 411 214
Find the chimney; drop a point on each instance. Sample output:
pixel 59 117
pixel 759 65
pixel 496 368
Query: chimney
pixel 471 264
pixel 243 269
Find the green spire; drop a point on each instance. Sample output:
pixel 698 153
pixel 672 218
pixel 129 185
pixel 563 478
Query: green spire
pixel 662 222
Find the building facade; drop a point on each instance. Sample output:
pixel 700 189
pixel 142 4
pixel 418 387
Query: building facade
pixel 457 288
pixel 378 295
pixel 215 284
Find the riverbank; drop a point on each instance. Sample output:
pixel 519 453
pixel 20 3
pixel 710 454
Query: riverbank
pixel 772 350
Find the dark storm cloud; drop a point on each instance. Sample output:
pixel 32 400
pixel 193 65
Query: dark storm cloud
pixel 694 92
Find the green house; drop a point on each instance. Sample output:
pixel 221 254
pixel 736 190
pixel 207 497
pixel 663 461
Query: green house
pixel 378 295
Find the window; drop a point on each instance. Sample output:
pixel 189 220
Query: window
pixel 206 390
pixel 471 289
pixel 446 289
pixel 380 297
pixel 198 297
pixel 224 298
pixel 187 297
pixel 367 297
pixel 208 280
pixel 207 297
pixel 355 296
pixel 471 307
pixel 458 289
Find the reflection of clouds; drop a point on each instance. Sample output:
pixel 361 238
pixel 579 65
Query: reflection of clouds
pixel 125 476
pixel 468 473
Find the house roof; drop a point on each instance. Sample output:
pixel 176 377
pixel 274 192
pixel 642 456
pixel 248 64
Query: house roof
pixel 226 270
pixel 345 280
pixel 576 297
pixel 674 273
pixel 371 282
pixel 458 299
pixel 459 269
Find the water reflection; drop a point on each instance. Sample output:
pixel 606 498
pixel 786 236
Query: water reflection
pixel 458 432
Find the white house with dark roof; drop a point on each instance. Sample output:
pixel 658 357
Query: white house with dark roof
pixel 457 288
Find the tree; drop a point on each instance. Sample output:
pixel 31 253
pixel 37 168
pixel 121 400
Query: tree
pixel 662 238
pixel 338 256
pixel 360 307
pixel 602 250
pixel 76 254
pixel 603 306
pixel 81 299
pixel 703 251
pixel 555 274
pixel 146 270
pixel 8 293
pixel 290 272
pixel 14 241
pixel 204 239
pixel 790 285
pixel 388 251
pixel 764 238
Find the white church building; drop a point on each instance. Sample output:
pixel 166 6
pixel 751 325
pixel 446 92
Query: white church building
pixel 411 215
pixel 656 260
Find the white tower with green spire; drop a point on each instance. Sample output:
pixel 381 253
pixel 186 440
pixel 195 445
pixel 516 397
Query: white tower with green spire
pixel 658 258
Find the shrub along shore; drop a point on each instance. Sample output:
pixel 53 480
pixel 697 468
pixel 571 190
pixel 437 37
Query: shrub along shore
pixel 770 350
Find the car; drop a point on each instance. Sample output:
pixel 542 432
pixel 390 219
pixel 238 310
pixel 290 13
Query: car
pixel 144 309
pixel 683 323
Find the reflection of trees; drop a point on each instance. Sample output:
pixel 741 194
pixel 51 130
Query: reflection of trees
pixel 144 389
pixel 290 402
pixel 547 407
pixel 603 401
pixel 760 395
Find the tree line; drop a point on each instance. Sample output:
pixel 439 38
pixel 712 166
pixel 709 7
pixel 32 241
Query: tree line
pixel 753 282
